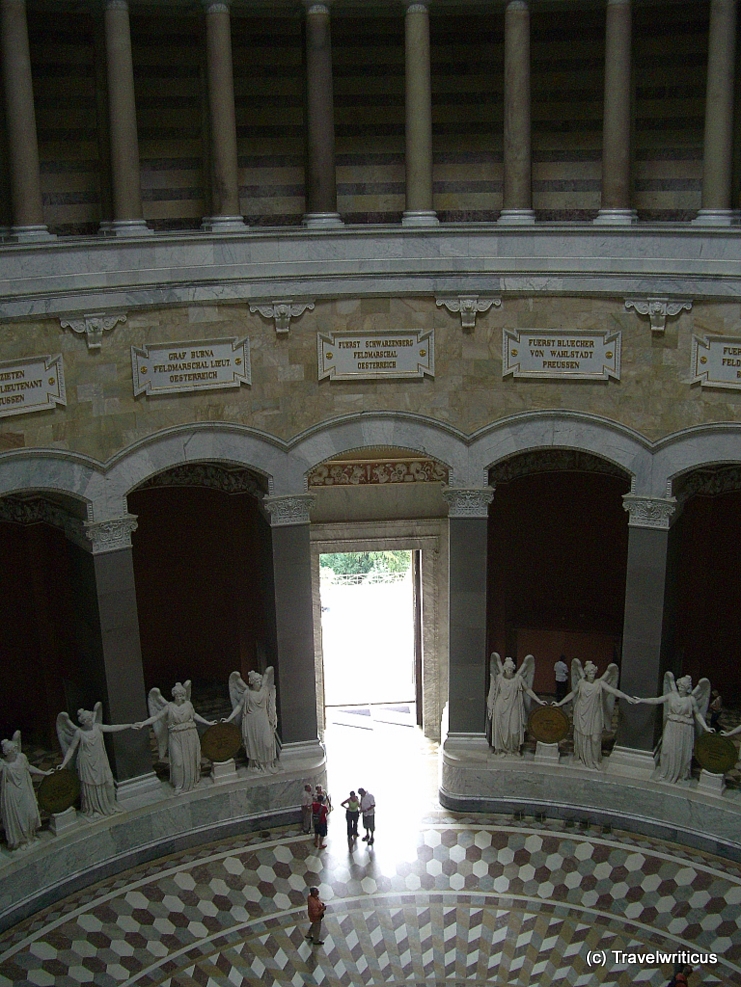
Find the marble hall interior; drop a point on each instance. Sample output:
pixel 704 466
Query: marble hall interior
pixel 284 282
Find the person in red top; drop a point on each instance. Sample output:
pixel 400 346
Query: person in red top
pixel 316 908
pixel 319 813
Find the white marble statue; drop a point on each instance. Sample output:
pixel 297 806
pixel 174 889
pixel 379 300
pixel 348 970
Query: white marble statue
pixel 18 806
pixel 594 701
pixel 508 702
pixel 253 705
pixel 85 744
pixel 685 710
pixel 174 725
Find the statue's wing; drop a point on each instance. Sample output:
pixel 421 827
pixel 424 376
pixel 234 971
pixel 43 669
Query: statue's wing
pixel 98 712
pixel 66 731
pixel 156 702
pixel 577 673
pixel 701 692
pixel 527 674
pixel 237 689
pixel 17 741
pixel 495 670
pixel 268 681
pixel 611 676
pixel 186 686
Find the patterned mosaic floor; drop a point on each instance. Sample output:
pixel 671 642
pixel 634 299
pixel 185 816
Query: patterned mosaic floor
pixel 441 899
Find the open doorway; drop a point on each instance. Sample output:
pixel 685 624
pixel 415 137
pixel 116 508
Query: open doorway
pixel 371 638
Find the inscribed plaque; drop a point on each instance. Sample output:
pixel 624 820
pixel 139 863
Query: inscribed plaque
pixel 221 741
pixel 716 361
pixel 59 791
pixel 376 355
pixel 190 366
pixel 31 384
pixel 716 754
pixel 548 724
pixel 561 354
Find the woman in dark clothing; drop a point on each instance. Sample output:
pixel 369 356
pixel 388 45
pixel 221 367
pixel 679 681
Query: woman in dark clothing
pixel 352 814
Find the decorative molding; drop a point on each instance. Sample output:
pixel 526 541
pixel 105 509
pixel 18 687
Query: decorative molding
pixel 657 309
pixel 468 502
pixel 469 306
pixel 708 482
pixel 111 535
pixel 552 461
pixel 282 311
pixel 228 479
pixel 649 512
pixel 358 473
pixel 38 510
pixel 285 511
pixel 92 326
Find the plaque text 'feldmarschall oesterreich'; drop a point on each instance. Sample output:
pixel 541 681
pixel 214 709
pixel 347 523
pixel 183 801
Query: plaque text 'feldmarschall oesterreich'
pixel 375 355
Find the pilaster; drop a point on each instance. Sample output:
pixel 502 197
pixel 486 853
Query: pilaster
pixel 321 178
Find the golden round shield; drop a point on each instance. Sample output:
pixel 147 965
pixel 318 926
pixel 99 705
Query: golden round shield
pixel 221 741
pixel 548 724
pixel 716 754
pixel 59 791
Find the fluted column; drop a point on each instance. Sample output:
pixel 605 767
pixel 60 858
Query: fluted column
pixel 718 155
pixel 128 216
pixel 321 178
pixel 616 126
pixel 418 153
pixel 25 175
pixel 518 192
pixel 227 217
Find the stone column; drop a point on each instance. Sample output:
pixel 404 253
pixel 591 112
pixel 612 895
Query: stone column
pixel 321 177
pixel 294 620
pixel 107 636
pixel 468 521
pixel 6 214
pixel 20 115
pixel 518 192
pixel 643 662
pixel 224 172
pixel 616 126
pixel 718 157
pixel 418 151
pixel 128 215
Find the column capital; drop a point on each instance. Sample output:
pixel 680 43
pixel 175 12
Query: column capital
pixel 415 7
pixel 216 6
pixel 116 4
pixel 111 535
pixel 291 510
pixel 468 502
pixel 518 5
pixel 311 7
pixel 649 512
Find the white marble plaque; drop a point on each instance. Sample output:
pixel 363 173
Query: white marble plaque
pixel 31 384
pixel 194 365
pixel 561 354
pixel 716 361
pixel 375 355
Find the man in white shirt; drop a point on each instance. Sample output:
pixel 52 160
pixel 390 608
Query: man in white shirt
pixel 368 808
pixel 562 678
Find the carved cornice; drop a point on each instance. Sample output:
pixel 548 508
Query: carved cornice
pixel 657 309
pixel 709 482
pixel 358 473
pixel 550 461
pixel 93 326
pixel 230 480
pixel 111 535
pixel 469 306
pixel 37 510
pixel 649 512
pixel 468 502
pixel 282 311
pixel 291 510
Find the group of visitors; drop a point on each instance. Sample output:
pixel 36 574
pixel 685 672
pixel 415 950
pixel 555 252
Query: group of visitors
pixel 316 806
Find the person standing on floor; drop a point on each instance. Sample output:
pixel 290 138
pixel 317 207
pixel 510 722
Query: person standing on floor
pixel 561 670
pixel 327 798
pixel 307 798
pixel 319 814
pixel 368 808
pixel 351 806
pixel 316 909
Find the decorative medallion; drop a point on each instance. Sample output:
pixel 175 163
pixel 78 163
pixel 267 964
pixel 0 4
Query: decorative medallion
pixel 716 754
pixel 548 724
pixel 221 741
pixel 59 791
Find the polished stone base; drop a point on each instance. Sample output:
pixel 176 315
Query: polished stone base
pixel 516 217
pixel 125 227
pixel 697 815
pixel 616 217
pixel 716 217
pixel 419 217
pixel 29 234
pixel 224 224
pixel 151 826
pixel 321 220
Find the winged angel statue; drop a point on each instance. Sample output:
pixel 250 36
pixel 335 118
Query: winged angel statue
pixel 685 710
pixel 18 806
pixel 594 701
pixel 253 706
pixel 85 745
pixel 508 702
pixel 174 725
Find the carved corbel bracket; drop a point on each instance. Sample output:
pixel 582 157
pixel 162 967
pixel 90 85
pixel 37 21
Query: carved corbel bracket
pixel 93 326
pixel 468 306
pixel 282 311
pixel 658 309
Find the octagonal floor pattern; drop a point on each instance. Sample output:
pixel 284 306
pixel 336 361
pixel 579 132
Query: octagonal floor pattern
pixel 475 900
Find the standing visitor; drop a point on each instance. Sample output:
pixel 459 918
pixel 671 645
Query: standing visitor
pixel 306 801
pixel 319 814
pixel 352 813
pixel 561 670
pixel 316 909
pixel 368 808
